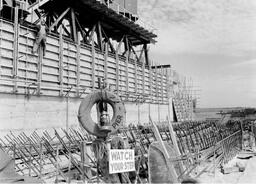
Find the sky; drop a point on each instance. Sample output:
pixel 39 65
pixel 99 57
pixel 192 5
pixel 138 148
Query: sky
pixel 211 41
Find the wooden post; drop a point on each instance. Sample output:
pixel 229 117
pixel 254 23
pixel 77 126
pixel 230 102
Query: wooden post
pixel 73 21
pixel 127 68
pixel 78 46
pixel 61 60
pixel 93 61
pixel 117 71
pixel 146 54
pixel 15 47
pixel 136 76
pixel 143 78
pixel 39 74
pixel 106 62
pixel 150 81
pixel 99 36
pixel 118 66
pixel 162 84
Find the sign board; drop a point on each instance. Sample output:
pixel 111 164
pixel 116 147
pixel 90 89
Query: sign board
pixel 121 160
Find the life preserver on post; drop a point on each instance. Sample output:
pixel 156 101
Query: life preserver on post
pixel 84 113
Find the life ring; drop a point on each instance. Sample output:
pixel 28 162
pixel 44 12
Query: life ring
pixel 84 113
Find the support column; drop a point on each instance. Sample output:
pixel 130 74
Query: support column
pixel 78 65
pixel 61 60
pixel 39 69
pixel 127 68
pixel 118 67
pixel 15 48
pixel 106 61
pixel 93 61
pixel 162 84
pixel 143 78
pixel 150 82
pixel 73 21
pixel 136 77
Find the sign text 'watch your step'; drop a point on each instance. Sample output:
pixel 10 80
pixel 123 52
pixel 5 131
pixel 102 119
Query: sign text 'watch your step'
pixel 121 160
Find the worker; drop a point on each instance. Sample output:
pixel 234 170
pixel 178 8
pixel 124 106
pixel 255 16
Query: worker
pixel 40 37
pixel 104 119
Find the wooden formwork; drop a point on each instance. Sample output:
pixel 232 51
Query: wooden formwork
pixel 72 68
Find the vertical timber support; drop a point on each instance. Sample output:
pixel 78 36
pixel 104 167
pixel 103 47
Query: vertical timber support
pixel 40 72
pixel 61 60
pixel 78 46
pixel 73 21
pixel 99 36
pixel 117 66
pixel 143 78
pixel 154 89
pixel 106 62
pixel 15 47
pixel 127 63
pixel 146 54
pixel 162 84
pixel 150 80
pixel 93 58
pixel 136 76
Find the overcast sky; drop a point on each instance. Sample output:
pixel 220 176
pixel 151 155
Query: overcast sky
pixel 212 41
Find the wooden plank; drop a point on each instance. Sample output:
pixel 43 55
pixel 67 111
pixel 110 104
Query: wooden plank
pixel 150 80
pixel 106 62
pixel 143 78
pixel 146 54
pixel 126 72
pixel 78 55
pixel 73 20
pixel 61 61
pixel 39 73
pixel 162 84
pixel 15 48
pixel 99 35
pixel 136 77
pixel 93 60
pixel 117 72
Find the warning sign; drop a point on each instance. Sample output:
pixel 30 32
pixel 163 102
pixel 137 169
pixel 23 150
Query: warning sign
pixel 121 160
